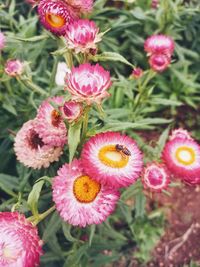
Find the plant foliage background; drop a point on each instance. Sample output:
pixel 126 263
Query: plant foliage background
pixel 172 99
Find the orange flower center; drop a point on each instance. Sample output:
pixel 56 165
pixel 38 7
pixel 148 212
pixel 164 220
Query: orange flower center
pixel 185 155
pixel 55 21
pixel 111 157
pixel 55 118
pixel 85 189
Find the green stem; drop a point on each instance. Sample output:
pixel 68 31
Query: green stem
pixel 40 217
pixel 85 122
pixel 69 59
pixel 53 75
pixel 27 82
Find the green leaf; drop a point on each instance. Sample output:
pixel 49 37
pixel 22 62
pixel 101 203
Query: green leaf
pixel 111 56
pixel 52 226
pixel 8 183
pixel 74 133
pixel 140 201
pixel 92 231
pixel 66 230
pixel 34 197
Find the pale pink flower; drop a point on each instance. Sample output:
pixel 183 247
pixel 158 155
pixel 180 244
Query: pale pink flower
pixel 14 68
pixel 71 110
pixel 80 6
pixel 112 159
pixel 180 133
pixel 31 150
pixel 82 36
pixel 182 158
pixel 154 4
pixel 79 199
pixel 62 70
pixel 137 73
pixel 55 15
pixel 88 83
pixel 20 245
pixel 2 40
pixel 159 62
pixel 159 44
pixel 50 125
pixel 155 177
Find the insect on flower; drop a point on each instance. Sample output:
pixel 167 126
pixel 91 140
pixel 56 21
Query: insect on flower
pixel 123 149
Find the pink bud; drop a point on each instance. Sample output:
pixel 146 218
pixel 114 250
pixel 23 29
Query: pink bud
pixel 137 73
pixel 154 4
pixel 71 110
pixel 14 68
pixel 159 62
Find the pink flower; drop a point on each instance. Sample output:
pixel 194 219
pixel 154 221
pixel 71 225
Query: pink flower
pixel 155 177
pixel 20 245
pixel 180 133
pixel 88 83
pixel 82 36
pixel 14 68
pixel 80 6
pixel 159 44
pixel 159 62
pixel 50 125
pixel 154 4
pixel 31 150
pixel 182 157
pixel 112 159
pixel 137 73
pixel 71 110
pixel 55 15
pixel 79 199
pixel 2 40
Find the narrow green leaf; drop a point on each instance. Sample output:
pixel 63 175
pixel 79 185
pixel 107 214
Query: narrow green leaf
pixel 111 56
pixel 92 231
pixel 66 230
pixel 74 133
pixel 34 197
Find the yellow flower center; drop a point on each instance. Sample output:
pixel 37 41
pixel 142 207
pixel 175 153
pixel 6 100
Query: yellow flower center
pixel 55 21
pixel 111 157
pixel 185 155
pixel 85 189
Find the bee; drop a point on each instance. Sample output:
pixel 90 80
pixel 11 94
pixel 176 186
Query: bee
pixel 123 149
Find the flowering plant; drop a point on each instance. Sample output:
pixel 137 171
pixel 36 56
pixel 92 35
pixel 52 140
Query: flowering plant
pixel 90 105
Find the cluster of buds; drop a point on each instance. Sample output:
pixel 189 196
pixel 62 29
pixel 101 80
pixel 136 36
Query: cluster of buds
pixel 159 48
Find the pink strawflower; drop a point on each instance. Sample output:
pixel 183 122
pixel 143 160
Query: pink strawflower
pixel 71 111
pixel 14 68
pixel 31 150
pixel 182 157
pixel 82 36
pixel 80 6
pixel 154 4
pixel 20 245
pixel 180 133
pixel 112 159
pixel 159 62
pixel 159 44
pixel 137 73
pixel 2 40
pixel 50 125
pixel 155 177
pixel 55 15
pixel 79 199
pixel 88 83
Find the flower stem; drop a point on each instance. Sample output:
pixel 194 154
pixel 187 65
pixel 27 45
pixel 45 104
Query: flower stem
pixel 85 122
pixel 35 220
pixel 27 82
